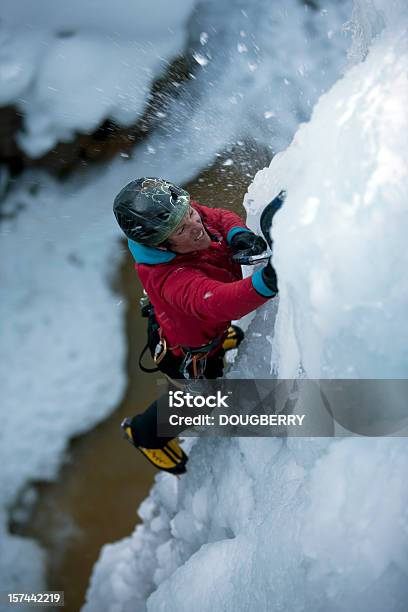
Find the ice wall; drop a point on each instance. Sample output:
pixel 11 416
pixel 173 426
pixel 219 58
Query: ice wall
pixel 304 524
pixel 339 240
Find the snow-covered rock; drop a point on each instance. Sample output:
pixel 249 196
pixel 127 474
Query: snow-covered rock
pixel 68 69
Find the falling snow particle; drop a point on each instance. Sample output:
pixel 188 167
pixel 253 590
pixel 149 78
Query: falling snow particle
pixel 228 162
pixel 242 48
pixel 200 59
pixel 203 38
pixel 269 114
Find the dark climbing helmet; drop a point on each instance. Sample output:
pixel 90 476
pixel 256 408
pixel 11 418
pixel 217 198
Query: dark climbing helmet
pixel 149 209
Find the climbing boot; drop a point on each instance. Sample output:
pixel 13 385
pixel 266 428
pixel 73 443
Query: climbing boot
pixel 169 458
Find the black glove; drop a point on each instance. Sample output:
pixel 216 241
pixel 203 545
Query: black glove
pixel 248 241
pixel 269 277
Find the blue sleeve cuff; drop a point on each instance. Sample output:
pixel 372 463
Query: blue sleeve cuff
pixel 236 230
pixel 259 285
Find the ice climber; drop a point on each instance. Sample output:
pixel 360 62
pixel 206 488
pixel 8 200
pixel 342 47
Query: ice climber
pixel 183 253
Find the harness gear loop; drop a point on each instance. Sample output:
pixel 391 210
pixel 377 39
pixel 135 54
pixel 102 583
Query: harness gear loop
pixel 193 362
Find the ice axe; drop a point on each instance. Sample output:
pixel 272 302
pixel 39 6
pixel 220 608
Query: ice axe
pixel 265 222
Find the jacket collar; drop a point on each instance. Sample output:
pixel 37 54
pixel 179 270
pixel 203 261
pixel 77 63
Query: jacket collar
pixel 149 255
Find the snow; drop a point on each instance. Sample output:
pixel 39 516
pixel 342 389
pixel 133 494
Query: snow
pixel 304 524
pixel 232 90
pixel 70 67
pixel 64 327
pixel 67 69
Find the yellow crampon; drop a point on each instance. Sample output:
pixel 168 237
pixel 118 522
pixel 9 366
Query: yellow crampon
pixel 171 458
pixel 233 339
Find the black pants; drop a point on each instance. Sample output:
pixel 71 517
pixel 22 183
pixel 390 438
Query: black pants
pixel 144 426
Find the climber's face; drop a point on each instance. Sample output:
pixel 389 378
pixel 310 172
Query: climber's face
pixel 190 235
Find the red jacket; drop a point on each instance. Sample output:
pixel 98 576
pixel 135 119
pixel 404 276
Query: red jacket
pixel 196 295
